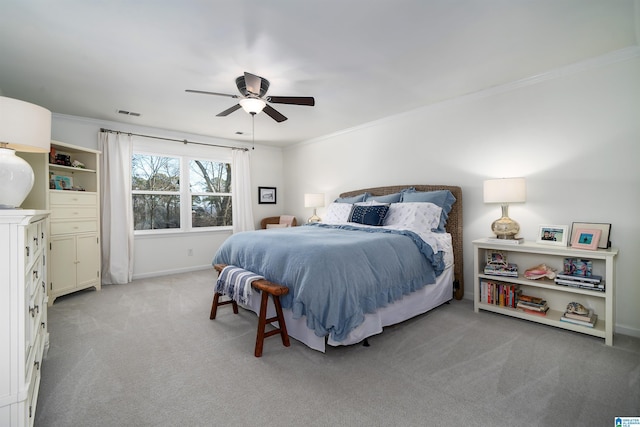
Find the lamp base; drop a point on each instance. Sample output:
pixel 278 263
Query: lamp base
pixel 505 228
pixel 16 179
pixel 314 217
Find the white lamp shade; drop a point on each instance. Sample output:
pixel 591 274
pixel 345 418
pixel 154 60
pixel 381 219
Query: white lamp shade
pixel 24 126
pixel 314 200
pixel 252 105
pixel 505 190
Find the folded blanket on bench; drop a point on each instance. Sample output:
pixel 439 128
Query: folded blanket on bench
pixel 235 282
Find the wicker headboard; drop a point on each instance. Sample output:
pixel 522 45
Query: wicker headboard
pixel 454 223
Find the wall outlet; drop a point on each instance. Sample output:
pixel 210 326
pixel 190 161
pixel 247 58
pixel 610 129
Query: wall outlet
pixel 189 252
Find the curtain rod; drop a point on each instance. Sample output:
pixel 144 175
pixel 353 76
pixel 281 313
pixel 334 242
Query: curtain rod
pixel 184 141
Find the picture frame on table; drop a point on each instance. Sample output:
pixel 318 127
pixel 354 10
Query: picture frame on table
pixel 557 235
pixel 605 235
pixel 586 238
pixel 267 195
pixel 496 258
pixel 61 182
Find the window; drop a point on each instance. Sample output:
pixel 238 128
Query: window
pixel 159 198
pixel 210 188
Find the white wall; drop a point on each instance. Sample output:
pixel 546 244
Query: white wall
pixel 573 133
pixel 169 253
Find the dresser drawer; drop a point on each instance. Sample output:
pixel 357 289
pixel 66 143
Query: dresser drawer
pixel 34 277
pixel 73 227
pixel 73 212
pixel 32 397
pixel 73 198
pixel 32 242
pixel 33 320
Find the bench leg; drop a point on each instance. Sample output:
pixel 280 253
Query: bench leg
pixel 216 303
pixel 283 327
pixel 262 323
pixel 263 320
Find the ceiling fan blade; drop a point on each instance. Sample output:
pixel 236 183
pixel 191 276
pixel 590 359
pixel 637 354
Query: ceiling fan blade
pixel 211 93
pixel 273 113
pixel 228 111
pixel 296 100
pixel 253 83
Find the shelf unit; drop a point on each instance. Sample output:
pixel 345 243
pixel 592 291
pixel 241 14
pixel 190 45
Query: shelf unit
pixel 527 255
pixel 74 224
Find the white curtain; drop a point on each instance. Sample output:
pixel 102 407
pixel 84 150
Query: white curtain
pixel 241 188
pixel 117 212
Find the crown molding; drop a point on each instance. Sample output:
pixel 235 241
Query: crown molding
pixel 604 60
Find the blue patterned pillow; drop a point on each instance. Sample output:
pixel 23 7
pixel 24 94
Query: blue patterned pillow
pixel 442 198
pixel 369 214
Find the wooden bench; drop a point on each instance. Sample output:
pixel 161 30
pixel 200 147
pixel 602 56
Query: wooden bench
pixel 266 288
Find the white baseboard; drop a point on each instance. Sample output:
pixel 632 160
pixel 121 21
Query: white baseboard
pixel 626 330
pixel 175 271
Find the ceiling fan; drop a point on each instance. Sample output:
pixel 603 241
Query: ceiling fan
pixel 253 100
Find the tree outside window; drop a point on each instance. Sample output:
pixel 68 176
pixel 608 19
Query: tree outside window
pixel 210 187
pixel 157 192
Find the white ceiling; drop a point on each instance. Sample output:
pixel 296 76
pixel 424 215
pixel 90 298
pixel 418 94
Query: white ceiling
pixel 362 60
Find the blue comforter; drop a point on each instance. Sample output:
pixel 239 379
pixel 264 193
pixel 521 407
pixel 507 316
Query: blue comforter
pixel 335 273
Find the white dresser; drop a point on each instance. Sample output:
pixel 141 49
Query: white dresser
pixel 23 312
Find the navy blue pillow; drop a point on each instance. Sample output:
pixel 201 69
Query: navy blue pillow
pixel 369 214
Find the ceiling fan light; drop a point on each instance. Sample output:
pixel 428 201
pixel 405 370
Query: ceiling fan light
pixel 252 105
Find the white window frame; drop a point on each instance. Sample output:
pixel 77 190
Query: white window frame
pixel 185 153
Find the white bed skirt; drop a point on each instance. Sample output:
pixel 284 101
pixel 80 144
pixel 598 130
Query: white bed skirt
pixel 419 302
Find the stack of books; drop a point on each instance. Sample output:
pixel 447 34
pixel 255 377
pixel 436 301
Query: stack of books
pixel 593 282
pixel 588 320
pixel 509 270
pixel 532 305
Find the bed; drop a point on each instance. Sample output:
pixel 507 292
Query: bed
pixel 322 264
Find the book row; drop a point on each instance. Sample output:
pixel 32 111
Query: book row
pixel 501 294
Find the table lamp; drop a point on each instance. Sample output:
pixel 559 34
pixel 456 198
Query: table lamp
pixel 314 200
pixel 505 191
pixel 23 127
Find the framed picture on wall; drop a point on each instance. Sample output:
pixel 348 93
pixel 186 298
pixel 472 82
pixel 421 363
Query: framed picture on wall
pixel 267 195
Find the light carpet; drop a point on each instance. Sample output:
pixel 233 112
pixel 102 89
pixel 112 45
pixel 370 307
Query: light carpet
pixel 146 354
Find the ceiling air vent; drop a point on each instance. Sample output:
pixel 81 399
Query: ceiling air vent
pixel 128 113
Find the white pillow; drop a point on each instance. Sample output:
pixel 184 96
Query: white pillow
pixel 414 216
pixel 337 213
pixel 277 226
